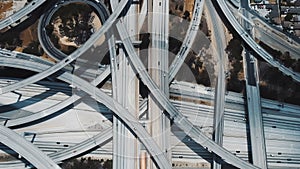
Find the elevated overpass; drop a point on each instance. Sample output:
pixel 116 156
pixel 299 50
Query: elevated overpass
pixel 187 133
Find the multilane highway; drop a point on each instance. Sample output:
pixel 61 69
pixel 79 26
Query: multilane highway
pixel 17 143
pixel 174 114
pixel 266 33
pixel 257 135
pixel 254 46
pixel 231 116
pixel 122 113
pixel 188 127
pixel 190 109
pixel 14 62
pixel 93 39
pixel 55 108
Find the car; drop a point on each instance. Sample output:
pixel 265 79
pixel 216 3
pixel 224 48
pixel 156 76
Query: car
pixel 252 60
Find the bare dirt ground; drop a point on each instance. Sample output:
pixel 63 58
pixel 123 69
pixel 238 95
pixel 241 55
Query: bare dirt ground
pixel 5 7
pixel 28 35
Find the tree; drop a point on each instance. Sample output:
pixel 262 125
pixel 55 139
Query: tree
pixel 34 48
pixel 288 17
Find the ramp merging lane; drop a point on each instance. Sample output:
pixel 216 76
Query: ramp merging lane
pixel 218 37
pixel 76 54
pixel 35 67
pixel 174 114
pixel 254 46
pixel 55 108
pixel 21 13
pixel 188 40
pixel 40 160
pixel 103 98
pixel 17 143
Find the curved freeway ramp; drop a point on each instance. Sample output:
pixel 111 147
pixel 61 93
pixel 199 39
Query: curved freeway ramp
pixel 45 19
pixel 26 149
pixel 254 46
pixel 71 152
pixel 100 96
pixel 76 54
pixel 55 108
pixel 188 40
pixel 8 137
pixel 174 114
pixel 21 13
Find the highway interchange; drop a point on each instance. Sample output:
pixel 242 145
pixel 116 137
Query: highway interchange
pixel 45 69
pixel 264 32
